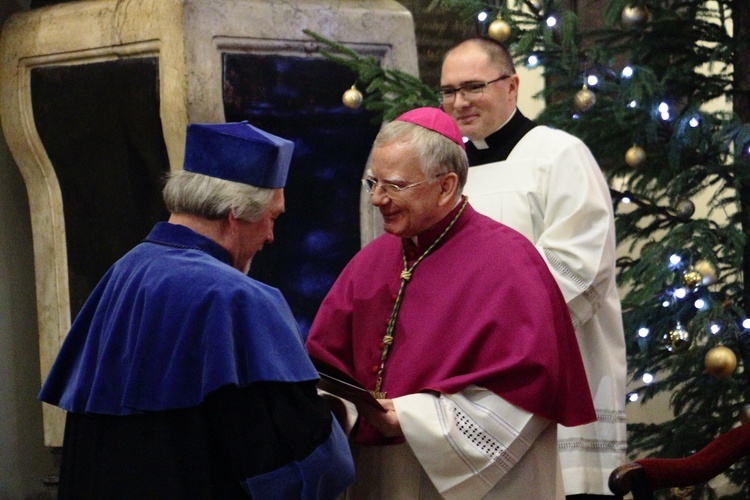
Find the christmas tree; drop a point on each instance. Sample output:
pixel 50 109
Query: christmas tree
pixel 640 89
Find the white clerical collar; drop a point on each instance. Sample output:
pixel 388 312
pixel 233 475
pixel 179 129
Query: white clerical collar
pixel 482 143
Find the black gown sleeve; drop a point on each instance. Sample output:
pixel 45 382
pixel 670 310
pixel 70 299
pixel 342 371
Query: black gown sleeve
pixel 266 425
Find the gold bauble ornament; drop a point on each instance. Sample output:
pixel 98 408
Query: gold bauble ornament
pixel 352 98
pixel 635 16
pixel 745 415
pixel 677 340
pixel 707 270
pixel 691 278
pixel 584 99
pixel 684 209
pixel 635 156
pixel 720 362
pixel 499 30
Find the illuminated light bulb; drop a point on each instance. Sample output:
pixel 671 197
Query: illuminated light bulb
pixel 633 104
pixel 533 60
pixel 592 80
pixel 700 304
pixel 482 17
pixel 666 303
pixel 680 293
pixel 664 111
pixel 715 328
pixel 643 332
pixel 627 72
pixel 633 397
pixel 551 21
pixel 694 122
pixel 746 323
pixel 675 259
pixel 647 378
pixel 625 199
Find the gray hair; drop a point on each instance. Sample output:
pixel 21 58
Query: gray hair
pixel 437 154
pixel 212 198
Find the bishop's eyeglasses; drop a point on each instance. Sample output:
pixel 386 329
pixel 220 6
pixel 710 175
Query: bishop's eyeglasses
pixel 392 189
pixel 389 189
pixel 470 91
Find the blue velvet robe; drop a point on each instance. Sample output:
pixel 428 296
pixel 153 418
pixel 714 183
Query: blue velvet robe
pixel 179 361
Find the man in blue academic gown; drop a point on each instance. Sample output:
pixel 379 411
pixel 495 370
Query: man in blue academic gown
pixel 184 378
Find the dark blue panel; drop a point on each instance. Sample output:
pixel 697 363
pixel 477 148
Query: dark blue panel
pixel 300 99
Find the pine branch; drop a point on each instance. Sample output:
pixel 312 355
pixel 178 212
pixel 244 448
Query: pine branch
pixel 387 92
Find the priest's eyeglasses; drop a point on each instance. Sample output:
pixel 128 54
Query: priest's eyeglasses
pixel 470 91
pixel 391 189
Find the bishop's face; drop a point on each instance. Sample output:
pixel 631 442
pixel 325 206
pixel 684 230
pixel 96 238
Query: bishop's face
pixel 409 212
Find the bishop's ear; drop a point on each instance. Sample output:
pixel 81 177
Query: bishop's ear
pixel 448 185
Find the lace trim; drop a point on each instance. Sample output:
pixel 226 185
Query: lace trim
pixel 493 450
pixel 589 292
pixel 592 445
pixel 611 417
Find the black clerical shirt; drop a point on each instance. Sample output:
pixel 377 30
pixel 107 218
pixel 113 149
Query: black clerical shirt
pixel 500 143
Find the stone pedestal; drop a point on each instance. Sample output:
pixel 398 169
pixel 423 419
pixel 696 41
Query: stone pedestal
pixel 154 66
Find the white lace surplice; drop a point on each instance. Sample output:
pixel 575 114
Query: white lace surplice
pixel 469 445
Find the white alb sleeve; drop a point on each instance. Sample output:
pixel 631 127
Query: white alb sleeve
pixel 466 442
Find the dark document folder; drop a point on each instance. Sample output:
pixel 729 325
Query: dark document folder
pixel 339 384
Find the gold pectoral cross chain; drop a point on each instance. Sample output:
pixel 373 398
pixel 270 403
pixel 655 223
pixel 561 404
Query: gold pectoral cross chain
pixel 405 277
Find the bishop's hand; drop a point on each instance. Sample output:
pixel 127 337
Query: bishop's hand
pixel 385 422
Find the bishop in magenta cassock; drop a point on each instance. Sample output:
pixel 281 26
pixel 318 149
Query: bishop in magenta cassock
pixel 455 323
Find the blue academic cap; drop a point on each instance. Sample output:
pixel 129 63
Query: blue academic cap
pixel 238 152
